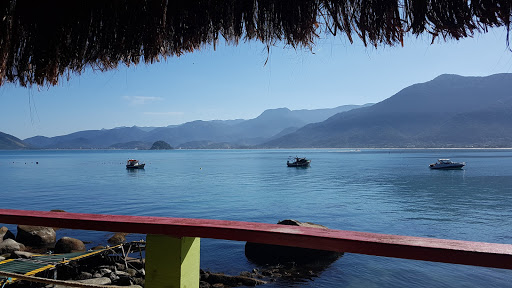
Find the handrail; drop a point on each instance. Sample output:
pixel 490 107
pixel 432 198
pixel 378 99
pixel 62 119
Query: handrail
pixel 407 247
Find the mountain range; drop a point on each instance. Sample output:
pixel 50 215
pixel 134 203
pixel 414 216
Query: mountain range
pixel 196 134
pixel 448 111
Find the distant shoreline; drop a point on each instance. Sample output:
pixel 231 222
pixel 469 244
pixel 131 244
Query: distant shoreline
pixel 309 148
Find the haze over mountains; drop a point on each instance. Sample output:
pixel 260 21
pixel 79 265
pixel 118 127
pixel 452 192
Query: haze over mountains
pixel 448 111
pixel 195 134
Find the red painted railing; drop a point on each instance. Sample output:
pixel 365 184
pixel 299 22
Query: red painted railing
pixel 429 249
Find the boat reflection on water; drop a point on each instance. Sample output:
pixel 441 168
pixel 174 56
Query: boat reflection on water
pixel 135 171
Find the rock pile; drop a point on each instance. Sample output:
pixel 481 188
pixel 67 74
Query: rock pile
pixel 102 269
pixel 105 270
pixel 274 262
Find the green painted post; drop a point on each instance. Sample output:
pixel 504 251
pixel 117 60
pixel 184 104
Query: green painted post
pixel 172 262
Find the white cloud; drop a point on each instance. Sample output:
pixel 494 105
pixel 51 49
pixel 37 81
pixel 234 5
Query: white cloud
pixel 141 100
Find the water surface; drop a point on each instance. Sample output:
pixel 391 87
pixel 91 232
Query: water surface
pixel 381 191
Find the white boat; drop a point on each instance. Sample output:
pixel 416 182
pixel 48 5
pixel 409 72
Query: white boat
pixel 134 164
pixel 447 164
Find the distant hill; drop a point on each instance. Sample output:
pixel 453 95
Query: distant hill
pixel 161 145
pixel 89 139
pixel 9 142
pixel 449 111
pixel 199 130
pixel 217 133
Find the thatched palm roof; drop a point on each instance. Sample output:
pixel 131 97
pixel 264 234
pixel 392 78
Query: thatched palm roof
pixel 41 41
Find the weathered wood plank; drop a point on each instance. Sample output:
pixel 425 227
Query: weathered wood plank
pixel 419 248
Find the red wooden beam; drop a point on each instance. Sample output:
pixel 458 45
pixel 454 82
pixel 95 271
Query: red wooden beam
pixel 418 248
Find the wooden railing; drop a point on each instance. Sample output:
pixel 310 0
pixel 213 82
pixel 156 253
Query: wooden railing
pixel 172 256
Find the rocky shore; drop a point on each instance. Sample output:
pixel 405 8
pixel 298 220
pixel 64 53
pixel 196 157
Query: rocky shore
pixel 124 266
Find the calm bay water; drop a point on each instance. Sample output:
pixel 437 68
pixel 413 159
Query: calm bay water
pixel 381 191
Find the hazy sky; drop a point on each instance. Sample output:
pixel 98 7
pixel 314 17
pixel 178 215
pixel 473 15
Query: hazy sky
pixel 234 82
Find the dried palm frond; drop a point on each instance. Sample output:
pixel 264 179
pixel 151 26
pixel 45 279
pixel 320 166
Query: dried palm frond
pixel 41 41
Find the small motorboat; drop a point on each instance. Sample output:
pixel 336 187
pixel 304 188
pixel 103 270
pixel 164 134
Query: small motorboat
pixel 447 164
pixel 134 164
pixel 298 162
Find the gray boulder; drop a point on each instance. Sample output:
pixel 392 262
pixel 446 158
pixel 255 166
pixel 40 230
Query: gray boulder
pixel 97 281
pixel 117 238
pixel 84 275
pixel 22 255
pixel 36 236
pixel 276 254
pixel 131 272
pixel 69 245
pixel 9 246
pixel 104 271
pixel 6 234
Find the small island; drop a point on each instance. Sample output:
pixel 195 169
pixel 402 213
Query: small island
pixel 161 145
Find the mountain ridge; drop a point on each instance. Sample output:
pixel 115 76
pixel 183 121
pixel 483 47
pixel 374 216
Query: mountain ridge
pixel 237 133
pixel 405 119
pixel 447 111
pixel 9 142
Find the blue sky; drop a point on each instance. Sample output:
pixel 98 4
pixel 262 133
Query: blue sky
pixel 233 82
